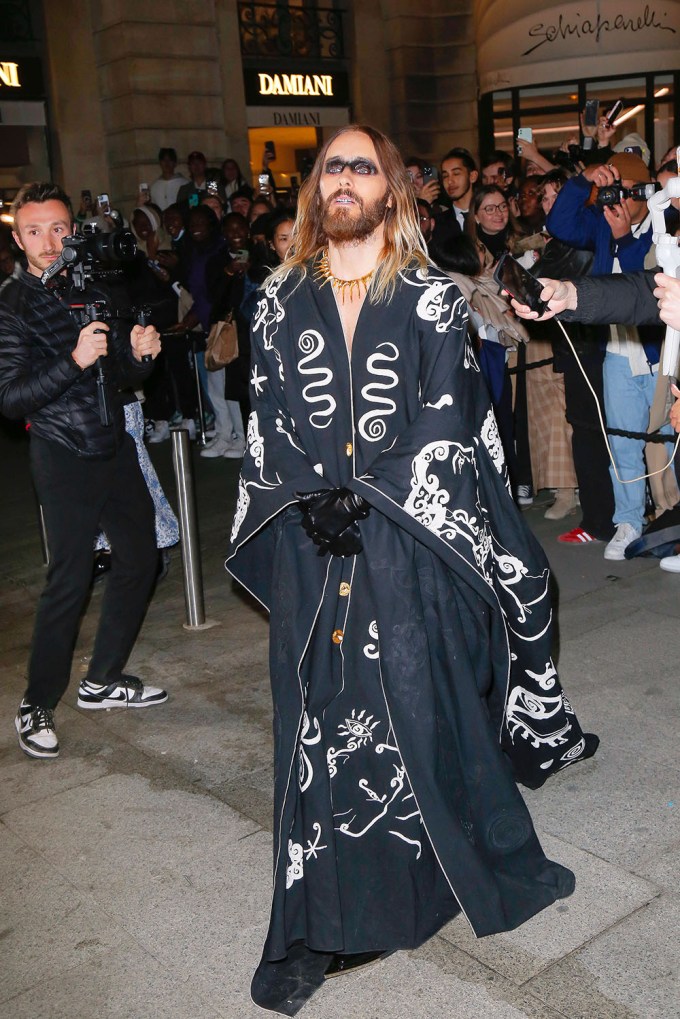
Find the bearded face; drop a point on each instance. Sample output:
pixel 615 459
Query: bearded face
pixel 349 218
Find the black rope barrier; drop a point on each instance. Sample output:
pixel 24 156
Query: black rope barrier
pixel 531 364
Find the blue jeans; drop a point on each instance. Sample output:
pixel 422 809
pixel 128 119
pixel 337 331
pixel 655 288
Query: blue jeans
pixel 628 400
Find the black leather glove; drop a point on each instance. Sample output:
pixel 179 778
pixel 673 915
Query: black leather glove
pixel 329 518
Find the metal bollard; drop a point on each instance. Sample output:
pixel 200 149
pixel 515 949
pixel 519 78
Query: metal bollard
pixel 188 527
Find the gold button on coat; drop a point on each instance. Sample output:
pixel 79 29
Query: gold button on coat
pixel 349 449
pixel 337 636
pixel 344 589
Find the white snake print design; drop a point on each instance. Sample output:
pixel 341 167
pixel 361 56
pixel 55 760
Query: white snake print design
pixel 311 343
pixel 371 424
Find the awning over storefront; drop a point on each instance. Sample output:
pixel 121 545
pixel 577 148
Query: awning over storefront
pixel 562 42
pixel 297 116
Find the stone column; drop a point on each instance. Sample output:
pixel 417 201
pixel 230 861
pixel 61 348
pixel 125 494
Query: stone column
pixel 416 69
pixel 233 93
pixel 79 155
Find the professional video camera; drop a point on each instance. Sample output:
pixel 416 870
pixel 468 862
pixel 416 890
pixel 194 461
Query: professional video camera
pixel 614 194
pixel 92 255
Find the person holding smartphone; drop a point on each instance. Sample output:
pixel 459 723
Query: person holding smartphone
pixel 190 194
pixel 86 208
pixel 620 236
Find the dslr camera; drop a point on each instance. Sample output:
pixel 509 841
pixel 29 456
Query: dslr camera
pixel 614 194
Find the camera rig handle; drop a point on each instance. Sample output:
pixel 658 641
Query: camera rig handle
pixel 143 318
pixel 668 257
pixel 91 313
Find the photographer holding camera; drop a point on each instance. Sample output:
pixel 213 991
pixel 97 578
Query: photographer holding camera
pixel 66 381
pixel 617 228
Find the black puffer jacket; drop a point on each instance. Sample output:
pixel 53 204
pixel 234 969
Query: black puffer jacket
pixel 39 380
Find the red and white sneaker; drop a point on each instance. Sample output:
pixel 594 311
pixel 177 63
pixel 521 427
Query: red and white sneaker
pixel 577 537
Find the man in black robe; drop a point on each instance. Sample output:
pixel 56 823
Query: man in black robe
pixel 410 654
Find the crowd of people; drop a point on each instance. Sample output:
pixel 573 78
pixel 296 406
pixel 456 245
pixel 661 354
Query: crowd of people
pixel 207 241
pixel 563 215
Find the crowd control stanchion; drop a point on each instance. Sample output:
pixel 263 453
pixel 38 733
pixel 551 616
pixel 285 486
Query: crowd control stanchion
pixel 201 436
pixel 188 528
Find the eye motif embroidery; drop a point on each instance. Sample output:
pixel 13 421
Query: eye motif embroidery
pixel 358 729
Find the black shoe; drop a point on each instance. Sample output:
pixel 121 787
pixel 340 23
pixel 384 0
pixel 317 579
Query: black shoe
pixel 163 563
pixel 101 565
pixel 350 963
pixel 285 986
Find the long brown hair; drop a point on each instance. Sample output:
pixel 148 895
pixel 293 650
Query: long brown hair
pixel 404 245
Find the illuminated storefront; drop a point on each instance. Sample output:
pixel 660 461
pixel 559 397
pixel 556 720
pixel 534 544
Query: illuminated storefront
pixel 539 69
pixel 24 151
pixel 295 81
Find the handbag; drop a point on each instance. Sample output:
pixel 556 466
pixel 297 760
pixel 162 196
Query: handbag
pixel 222 344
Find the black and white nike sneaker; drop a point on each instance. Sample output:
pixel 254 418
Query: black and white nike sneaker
pixel 37 735
pixel 128 692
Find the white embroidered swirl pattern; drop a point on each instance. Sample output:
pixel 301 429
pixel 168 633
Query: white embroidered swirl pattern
pixel 371 424
pixel 312 344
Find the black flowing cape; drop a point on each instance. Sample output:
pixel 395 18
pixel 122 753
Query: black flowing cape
pixel 413 684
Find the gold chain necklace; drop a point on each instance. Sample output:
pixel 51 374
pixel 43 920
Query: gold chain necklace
pixel 342 287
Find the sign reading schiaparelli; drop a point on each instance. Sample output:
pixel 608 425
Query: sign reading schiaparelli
pixel 563 42
pixel 293 87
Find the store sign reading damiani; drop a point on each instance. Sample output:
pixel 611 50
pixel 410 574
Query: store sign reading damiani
pixel 9 75
pixel 296 84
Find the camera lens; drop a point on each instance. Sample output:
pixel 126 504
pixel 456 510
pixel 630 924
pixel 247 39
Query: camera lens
pixel 612 194
pixel 119 246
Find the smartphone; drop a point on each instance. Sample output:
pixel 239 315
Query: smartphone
pixel 193 200
pixel 635 150
pixel 270 148
pixel 104 204
pixel 86 195
pixel 590 112
pixel 241 256
pixel 511 275
pixel 144 190
pixel 263 181
pixel 614 112
pixel 211 187
pixel 430 173
pixel 525 134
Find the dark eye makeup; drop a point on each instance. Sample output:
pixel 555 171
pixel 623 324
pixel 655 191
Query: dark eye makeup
pixel 359 165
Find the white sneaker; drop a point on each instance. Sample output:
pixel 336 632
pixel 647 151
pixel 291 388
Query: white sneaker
pixel 187 424
pixel 128 692
pixel 37 735
pixel 670 563
pixel 217 447
pixel 160 433
pixel 623 536
pixel 524 495
pixel 237 448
